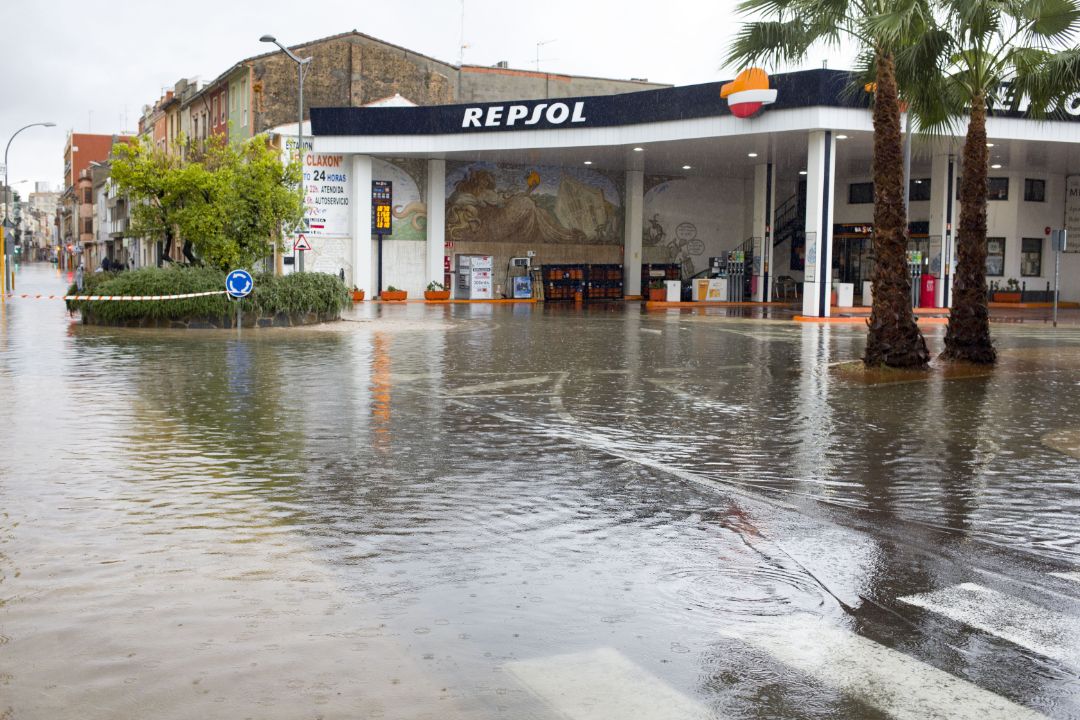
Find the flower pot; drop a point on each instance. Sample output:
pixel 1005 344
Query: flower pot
pixel 357 295
pixel 394 295
pixel 1007 297
pixel 657 294
pixel 436 294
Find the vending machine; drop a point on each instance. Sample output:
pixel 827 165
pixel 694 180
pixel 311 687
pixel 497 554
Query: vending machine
pixel 472 279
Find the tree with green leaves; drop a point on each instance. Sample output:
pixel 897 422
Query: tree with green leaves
pixel 980 54
pixel 227 202
pixel 879 28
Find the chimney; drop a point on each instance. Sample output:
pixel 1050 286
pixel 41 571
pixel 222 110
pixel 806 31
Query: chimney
pixel 503 64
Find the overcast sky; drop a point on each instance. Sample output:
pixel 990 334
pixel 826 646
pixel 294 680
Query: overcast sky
pixel 91 67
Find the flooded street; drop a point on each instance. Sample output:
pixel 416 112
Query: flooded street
pixel 519 511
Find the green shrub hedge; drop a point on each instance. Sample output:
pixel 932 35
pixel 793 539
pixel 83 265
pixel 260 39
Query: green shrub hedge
pixel 294 293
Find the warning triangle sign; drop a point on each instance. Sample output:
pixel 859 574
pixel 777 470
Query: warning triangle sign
pixel 301 243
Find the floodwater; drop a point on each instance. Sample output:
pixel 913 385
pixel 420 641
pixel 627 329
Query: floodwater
pixel 513 511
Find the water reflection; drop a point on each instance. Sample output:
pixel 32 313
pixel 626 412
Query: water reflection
pixel 432 493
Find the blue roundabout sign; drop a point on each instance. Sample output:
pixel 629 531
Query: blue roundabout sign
pixel 239 284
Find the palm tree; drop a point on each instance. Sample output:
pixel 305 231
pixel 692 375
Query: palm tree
pixel 980 53
pixel 880 28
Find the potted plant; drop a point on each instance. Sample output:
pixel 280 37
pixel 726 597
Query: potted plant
pixel 357 294
pixel 392 293
pixel 657 291
pixel 1011 294
pixel 436 291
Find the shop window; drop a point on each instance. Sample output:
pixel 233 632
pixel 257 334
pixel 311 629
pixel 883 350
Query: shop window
pixel 860 193
pixel 999 189
pixel 919 189
pixel 995 256
pixel 1034 190
pixel 1031 257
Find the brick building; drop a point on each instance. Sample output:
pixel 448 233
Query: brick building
pixel 353 69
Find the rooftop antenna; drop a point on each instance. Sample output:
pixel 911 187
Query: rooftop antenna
pixel 542 42
pixel 461 37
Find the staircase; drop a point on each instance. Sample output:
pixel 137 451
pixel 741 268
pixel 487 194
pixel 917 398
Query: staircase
pixel 791 220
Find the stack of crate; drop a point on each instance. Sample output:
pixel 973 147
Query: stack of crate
pixel 605 282
pixel 564 283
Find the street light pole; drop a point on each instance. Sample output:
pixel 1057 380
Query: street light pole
pixel 300 63
pixel 5 256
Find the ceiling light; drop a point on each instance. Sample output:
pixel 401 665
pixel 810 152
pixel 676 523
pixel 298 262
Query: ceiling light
pixel 841 137
pixel 638 149
pixel 989 144
pixel 588 162
pixel 996 166
pixel 751 154
pixel 685 167
pixel 802 172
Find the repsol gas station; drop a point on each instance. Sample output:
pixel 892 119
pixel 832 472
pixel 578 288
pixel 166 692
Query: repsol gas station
pixel 764 181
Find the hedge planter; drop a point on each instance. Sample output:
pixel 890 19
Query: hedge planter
pixel 394 295
pixel 357 296
pixel 657 294
pixel 1007 297
pixel 436 294
pixel 193 297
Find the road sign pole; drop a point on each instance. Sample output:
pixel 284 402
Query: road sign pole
pixel 301 254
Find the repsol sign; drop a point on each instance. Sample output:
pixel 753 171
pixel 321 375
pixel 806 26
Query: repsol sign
pixel 556 113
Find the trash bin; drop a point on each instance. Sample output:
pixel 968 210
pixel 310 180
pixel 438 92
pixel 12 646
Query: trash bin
pixel 674 290
pixel 927 289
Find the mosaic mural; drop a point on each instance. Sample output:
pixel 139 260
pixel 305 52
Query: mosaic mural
pixel 493 202
pixel 409 208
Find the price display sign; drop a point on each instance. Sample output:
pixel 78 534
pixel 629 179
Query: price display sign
pixel 382 198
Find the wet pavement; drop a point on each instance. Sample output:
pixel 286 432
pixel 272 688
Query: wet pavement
pixel 515 511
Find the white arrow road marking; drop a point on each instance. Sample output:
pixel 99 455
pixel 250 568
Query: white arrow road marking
pixel 1048 633
pixel 488 387
pixel 889 680
pixel 603 684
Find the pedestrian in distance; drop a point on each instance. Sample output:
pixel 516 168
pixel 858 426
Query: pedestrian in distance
pixel 79 278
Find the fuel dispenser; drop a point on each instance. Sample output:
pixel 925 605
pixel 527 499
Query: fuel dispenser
pixel 915 269
pixel 519 278
pixel 731 266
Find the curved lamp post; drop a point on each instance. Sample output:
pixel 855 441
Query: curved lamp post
pixel 300 63
pixel 7 210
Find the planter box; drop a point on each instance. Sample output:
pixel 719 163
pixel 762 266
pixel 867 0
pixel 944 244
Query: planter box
pixel 1007 297
pixel 357 295
pixel 657 294
pixel 393 295
pixel 436 294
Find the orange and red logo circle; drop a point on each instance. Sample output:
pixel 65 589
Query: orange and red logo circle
pixel 748 92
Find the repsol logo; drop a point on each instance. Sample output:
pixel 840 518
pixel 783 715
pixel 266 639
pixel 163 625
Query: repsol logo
pixel 506 116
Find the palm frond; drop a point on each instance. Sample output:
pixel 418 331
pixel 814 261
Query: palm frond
pixel 773 42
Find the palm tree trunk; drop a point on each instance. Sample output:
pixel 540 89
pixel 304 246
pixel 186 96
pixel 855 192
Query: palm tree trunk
pixel 968 334
pixel 894 338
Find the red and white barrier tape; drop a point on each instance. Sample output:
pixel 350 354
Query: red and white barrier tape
pixel 28 296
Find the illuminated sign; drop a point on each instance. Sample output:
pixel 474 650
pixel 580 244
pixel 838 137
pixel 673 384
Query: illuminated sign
pixel 382 198
pixel 748 92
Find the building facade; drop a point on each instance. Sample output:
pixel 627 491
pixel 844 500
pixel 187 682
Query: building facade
pixel 676 176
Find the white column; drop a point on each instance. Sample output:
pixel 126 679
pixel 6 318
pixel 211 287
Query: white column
pixel 635 213
pixel 764 206
pixel 820 189
pixel 943 209
pixel 436 220
pixel 363 271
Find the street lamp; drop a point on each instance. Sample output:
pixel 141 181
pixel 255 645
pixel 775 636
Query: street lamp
pixel 5 262
pixel 300 63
